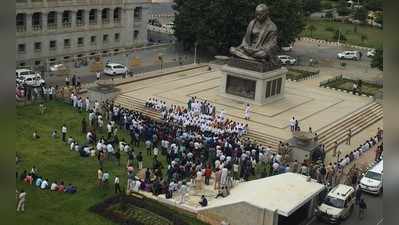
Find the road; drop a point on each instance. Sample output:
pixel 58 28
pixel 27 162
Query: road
pixel 148 63
pixel 374 215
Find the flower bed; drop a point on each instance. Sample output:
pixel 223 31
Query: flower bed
pixel 301 73
pixel 132 210
pixel 345 84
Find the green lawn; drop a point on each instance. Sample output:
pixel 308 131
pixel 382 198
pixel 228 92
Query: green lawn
pixel 55 161
pixel 374 35
pixel 347 84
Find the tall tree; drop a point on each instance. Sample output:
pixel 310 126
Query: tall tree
pixel 311 28
pixel 378 59
pixel 361 14
pixel 374 5
pixel 219 24
pixel 311 6
pixel 342 8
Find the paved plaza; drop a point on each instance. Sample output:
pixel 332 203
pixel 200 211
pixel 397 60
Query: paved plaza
pixel 312 106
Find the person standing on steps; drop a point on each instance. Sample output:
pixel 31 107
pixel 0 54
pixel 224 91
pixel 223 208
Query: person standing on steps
pixel 348 140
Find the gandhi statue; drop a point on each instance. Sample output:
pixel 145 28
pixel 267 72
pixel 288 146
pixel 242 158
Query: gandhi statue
pixel 260 40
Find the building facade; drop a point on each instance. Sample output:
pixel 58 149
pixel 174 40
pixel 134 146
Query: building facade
pixel 51 31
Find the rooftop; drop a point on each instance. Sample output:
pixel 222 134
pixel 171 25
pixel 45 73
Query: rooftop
pixel 285 193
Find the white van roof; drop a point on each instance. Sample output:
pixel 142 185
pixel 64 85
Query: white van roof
pixel 378 168
pixel 341 191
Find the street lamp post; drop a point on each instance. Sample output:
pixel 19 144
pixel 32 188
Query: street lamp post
pixel 195 52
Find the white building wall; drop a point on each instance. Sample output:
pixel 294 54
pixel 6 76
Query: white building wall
pixel 125 28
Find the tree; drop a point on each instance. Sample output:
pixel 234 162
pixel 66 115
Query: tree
pixel 374 5
pixel 311 6
pixel 311 28
pixel 342 8
pixel 219 24
pixel 379 18
pixel 363 37
pixel 378 59
pixel 361 14
pixel 330 15
pixel 339 36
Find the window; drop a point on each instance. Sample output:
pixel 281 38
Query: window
pixel 136 34
pixel 22 64
pixel 37 62
pixel 93 40
pixel 80 18
pixel 274 84
pixel 268 88
pixel 80 41
pixel 52 20
pixel 117 37
pixel 138 11
pixel 67 43
pixel 279 81
pixel 38 46
pixel 105 15
pixel 21 48
pixel 117 15
pixel 53 45
pixel 105 38
pixel 93 16
pixel 67 57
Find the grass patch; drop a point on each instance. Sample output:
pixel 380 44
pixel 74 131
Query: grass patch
pixel 325 30
pixel 56 162
pixel 143 211
pixel 297 74
pixel 369 89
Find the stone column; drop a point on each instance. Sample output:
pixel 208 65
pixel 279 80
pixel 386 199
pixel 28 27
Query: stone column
pixel 111 16
pixel 59 20
pixel 99 21
pixel 73 19
pixel 44 20
pixel 29 22
pixel 87 18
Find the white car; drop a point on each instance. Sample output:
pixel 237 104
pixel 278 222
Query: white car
pixel 115 69
pixel 338 204
pixel 29 77
pixel 25 72
pixel 354 55
pixel 31 80
pixel 286 59
pixel 371 53
pixel 372 181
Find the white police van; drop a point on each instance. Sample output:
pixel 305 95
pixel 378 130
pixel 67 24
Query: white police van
pixel 371 181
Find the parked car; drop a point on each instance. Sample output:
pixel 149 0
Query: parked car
pixel 29 77
pixel 286 48
pixel 25 72
pixel 115 69
pixel 31 80
pixel 371 181
pixel 354 55
pixel 371 53
pixel 337 205
pixel 286 59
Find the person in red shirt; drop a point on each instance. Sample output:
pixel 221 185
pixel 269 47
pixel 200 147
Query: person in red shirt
pixel 208 174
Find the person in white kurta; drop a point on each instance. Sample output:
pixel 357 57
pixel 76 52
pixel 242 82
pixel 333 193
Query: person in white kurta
pixel 247 112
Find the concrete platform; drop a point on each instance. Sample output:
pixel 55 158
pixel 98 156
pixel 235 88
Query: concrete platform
pixel 311 105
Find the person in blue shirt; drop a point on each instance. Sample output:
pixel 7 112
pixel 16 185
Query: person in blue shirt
pixel 38 182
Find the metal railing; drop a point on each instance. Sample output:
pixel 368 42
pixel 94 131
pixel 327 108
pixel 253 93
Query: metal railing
pixel 21 28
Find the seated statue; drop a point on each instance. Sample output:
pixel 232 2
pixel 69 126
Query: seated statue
pixel 260 40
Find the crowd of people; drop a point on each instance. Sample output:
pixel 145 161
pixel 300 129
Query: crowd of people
pixel 33 178
pixel 198 144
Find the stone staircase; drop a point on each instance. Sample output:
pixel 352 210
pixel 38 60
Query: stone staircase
pixel 136 105
pixel 139 105
pixel 357 122
pixel 264 139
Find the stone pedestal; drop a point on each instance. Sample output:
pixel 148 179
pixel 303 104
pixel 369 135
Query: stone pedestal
pixel 102 92
pixel 303 146
pixel 253 86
